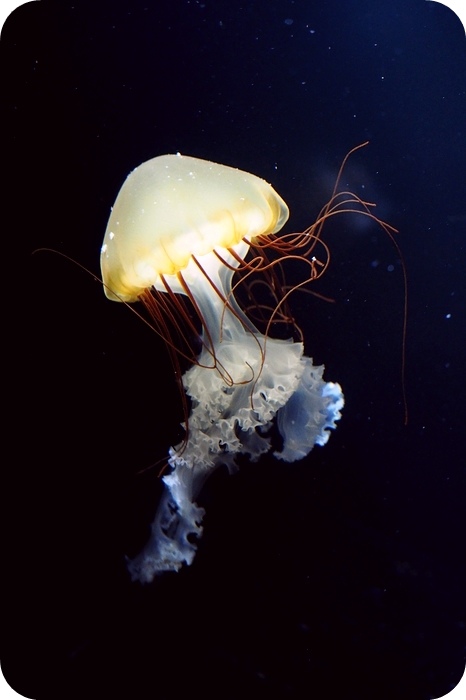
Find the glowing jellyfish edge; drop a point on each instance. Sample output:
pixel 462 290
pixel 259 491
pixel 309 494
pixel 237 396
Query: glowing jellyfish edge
pixel 255 379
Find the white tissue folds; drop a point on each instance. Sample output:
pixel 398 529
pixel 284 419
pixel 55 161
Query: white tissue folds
pixel 258 380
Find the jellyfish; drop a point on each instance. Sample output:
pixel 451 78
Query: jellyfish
pixel 181 232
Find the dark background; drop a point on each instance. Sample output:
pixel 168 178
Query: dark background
pixel 339 576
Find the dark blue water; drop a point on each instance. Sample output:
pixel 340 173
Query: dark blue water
pixel 339 576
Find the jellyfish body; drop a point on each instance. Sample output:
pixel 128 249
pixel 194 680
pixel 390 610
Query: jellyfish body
pixel 183 226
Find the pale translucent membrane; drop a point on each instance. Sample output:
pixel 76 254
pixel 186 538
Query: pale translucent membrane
pixel 267 379
pixel 173 207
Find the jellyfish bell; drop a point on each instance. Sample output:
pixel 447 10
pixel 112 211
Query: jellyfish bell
pixel 174 207
pixel 182 224
pixel 182 227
